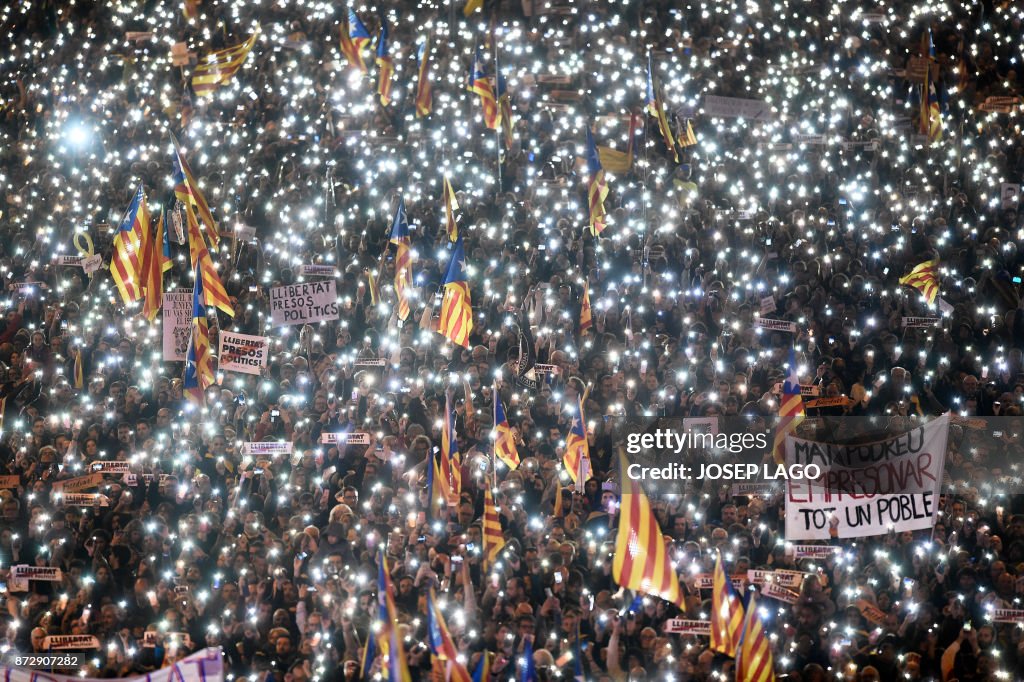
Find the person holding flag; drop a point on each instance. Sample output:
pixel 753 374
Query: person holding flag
pixel 456 322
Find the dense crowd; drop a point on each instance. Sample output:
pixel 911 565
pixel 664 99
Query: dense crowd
pixel 276 561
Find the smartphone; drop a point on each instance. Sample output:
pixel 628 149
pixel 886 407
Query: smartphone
pixel 274 414
pixel 558 577
pixel 1016 280
pixel 456 559
pixel 257 472
pixel 967 626
pixel 842 202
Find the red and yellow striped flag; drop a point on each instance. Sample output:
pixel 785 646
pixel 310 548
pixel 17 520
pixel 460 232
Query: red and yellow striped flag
pixel 791 409
pixel 482 85
pixel 925 278
pixel 576 459
pixel 451 205
pixel 504 440
pixel 586 314
pixel 403 260
pixel 199 374
pixel 456 321
pixel 354 37
pixel 424 89
pixel 153 268
pixel 493 539
pixel 642 562
pixel 726 613
pixel 218 68
pixel 126 263
pixel 754 660
pixel 688 139
pixel 79 370
pixel 597 190
pixel 451 459
pixel 188 193
pixel 385 64
pixel 657 110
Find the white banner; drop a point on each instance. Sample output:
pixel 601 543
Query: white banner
pixel 681 626
pixel 303 303
pixel 318 270
pixel 242 353
pixel 736 107
pixel 776 325
pixel 267 448
pixel 867 489
pixel 177 323
pixel 203 666
pixel 114 466
pixel 47 573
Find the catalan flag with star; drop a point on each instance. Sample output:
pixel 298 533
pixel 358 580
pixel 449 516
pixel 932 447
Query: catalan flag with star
pixel 385 64
pixel 726 613
pixel 504 440
pixel 451 458
pixel 126 263
pixel 791 409
pixel 403 260
pixel 657 109
pixel 597 188
pixel 641 561
pixel 456 321
pixel 424 89
pixel 354 39
pixel 482 85
pixel 925 278
pixel 188 193
pixel 441 644
pixel 577 450
pixel 219 67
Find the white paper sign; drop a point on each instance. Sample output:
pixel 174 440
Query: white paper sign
pixel 177 323
pixel 92 263
pixel 776 325
pixel 242 352
pixel 267 448
pixel 736 107
pixel 303 303
pixel 317 270
pixel 867 489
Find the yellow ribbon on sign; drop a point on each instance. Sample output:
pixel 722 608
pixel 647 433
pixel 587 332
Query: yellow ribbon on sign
pixel 86 249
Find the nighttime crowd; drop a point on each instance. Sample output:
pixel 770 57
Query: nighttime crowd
pixel 275 560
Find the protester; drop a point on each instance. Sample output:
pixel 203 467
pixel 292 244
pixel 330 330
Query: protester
pixel 786 226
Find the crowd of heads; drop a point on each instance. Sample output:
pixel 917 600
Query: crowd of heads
pixel 809 213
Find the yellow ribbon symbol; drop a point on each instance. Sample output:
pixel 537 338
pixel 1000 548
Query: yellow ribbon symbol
pixel 83 242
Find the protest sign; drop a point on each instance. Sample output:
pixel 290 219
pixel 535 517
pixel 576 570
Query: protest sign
pixel 736 107
pixel 1008 615
pixel 682 626
pixel 242 352
pixel 776 325
pixel 318 270
pixel 815 551
pixel 72 485
pixel 866 488
pixel 9 482
pixel 111 467
pixel 65 643
pixel 177 323
pixel 303 303
pixel 270 448
pixel 920 321
pixel 783 594
pixel 47 573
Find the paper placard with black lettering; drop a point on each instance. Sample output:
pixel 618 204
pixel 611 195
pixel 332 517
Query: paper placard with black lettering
pixel 304 303
pixel 242 353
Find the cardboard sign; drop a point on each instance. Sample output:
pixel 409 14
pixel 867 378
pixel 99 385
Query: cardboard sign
pixel 1000 104
pixel 73 485
pixel 69 261
pixel 921 321
pixel 177 324
pixel 1009 194
pixel 304 303
pixel 318 270
pixel 111 467
pixel 270 448
pixel 356 438
pixel 776 325
pixel 10 482
pixel 776 591
pixel 767 305
pixel 787 578
pixel 242 353
pixel 759 577
pixel 681 626
pixel 45 573
pixel 66 642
